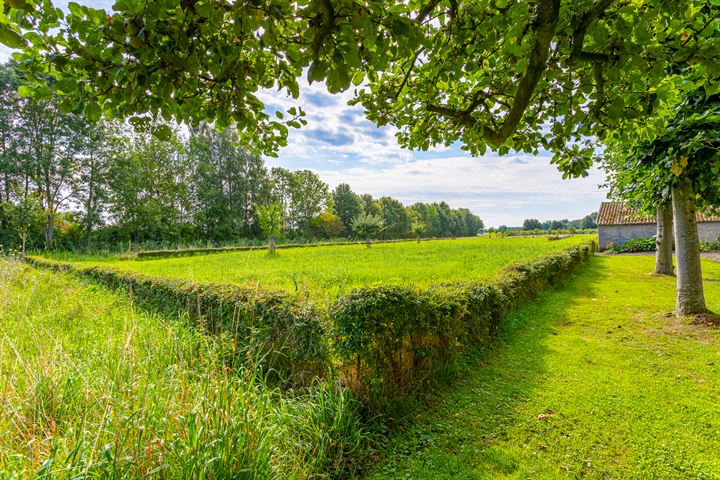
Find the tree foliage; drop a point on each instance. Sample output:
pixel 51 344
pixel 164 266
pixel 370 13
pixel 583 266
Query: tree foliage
pixel 270 218
pixel 524 75
pixel 105 184
pixel 327 225
pixel 508 75
pixel 644 174
pixel 346 204
pixel 367 225
pixel 532 224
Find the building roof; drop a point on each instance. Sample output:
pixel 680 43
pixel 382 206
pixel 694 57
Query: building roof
pixel 617 213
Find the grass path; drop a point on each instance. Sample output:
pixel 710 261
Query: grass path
pixel 626 391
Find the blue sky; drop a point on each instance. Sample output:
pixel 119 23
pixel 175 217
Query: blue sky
pixel 343 147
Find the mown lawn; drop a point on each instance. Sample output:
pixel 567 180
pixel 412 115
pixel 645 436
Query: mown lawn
pixel 329 271
pixel 594 380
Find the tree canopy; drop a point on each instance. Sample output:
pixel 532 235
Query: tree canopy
pixel 503 74
pixel 645 174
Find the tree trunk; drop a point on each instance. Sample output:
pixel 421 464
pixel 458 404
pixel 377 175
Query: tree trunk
pixel 24 244
pixel 271 245
pixel 690 296
pixel 367 241
pixel 418 238
pixel 89 205
pixel 49 231
pixel 663 242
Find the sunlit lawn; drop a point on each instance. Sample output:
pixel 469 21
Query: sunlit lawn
pixel 592 381
pixel 329 271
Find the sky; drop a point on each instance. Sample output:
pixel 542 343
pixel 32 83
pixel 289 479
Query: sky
pixel 341 146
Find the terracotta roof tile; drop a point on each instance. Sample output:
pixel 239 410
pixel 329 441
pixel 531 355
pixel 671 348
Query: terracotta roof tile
pixel 617 213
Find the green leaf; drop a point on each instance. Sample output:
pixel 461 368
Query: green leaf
pixel 10 37
pixel 317 71
pixel 93 111
pixel 66 85
pixel 75 9
pixel 26 91
pixel 163 132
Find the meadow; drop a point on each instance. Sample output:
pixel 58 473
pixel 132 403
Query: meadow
pixel 326 272
pixel 594 379
pixel 92 387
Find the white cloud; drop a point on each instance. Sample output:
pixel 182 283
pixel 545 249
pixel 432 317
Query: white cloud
pixel 335 130
pixel 502 190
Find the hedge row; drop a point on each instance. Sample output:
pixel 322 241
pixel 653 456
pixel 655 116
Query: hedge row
pixel 384 342
pixel 393 339
pixel 181 252
pixel 277 332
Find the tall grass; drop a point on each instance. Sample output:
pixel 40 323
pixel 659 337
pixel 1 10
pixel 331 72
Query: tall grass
pixel 90 387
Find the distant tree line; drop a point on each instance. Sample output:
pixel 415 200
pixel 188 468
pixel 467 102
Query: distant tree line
pixel 587 222
pixel 67 181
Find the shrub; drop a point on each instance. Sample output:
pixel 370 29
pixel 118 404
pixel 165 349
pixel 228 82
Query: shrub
pixel 710 246
pixel 276 332
pixel 634 246
pixel 392 340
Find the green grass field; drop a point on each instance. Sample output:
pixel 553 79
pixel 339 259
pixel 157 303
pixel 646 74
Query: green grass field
pixel 594 379
pixel 91 387
pixel 325 272
pixel 626 390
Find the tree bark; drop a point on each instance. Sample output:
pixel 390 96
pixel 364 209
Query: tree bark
pixel 663 242
pixel 49 230
pixel 690 296
pixel 367 241
pixel 271 245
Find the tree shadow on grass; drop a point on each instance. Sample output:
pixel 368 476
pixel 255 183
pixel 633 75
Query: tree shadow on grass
pixel 454 436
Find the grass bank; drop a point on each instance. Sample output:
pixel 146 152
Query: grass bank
pixel 591 381
pixel 326 272
pixel 91 387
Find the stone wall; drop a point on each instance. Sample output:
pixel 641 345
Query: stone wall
pixel 619 234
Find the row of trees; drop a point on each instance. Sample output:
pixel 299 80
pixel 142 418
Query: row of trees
pixel 106 183
pixel 588 221
pixel 398 221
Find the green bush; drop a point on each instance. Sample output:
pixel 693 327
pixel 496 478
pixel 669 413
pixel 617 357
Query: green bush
pixel 276 332
pixel 634 246
pixel 710 246
pixel 392 340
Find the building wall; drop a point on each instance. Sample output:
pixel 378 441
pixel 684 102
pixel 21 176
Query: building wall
pixel 709 231
pixel 619 234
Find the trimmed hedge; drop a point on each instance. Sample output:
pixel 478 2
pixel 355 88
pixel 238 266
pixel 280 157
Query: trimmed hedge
pixel 387 342
pixel 277 332
pixel 393 339
pixel 147 254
